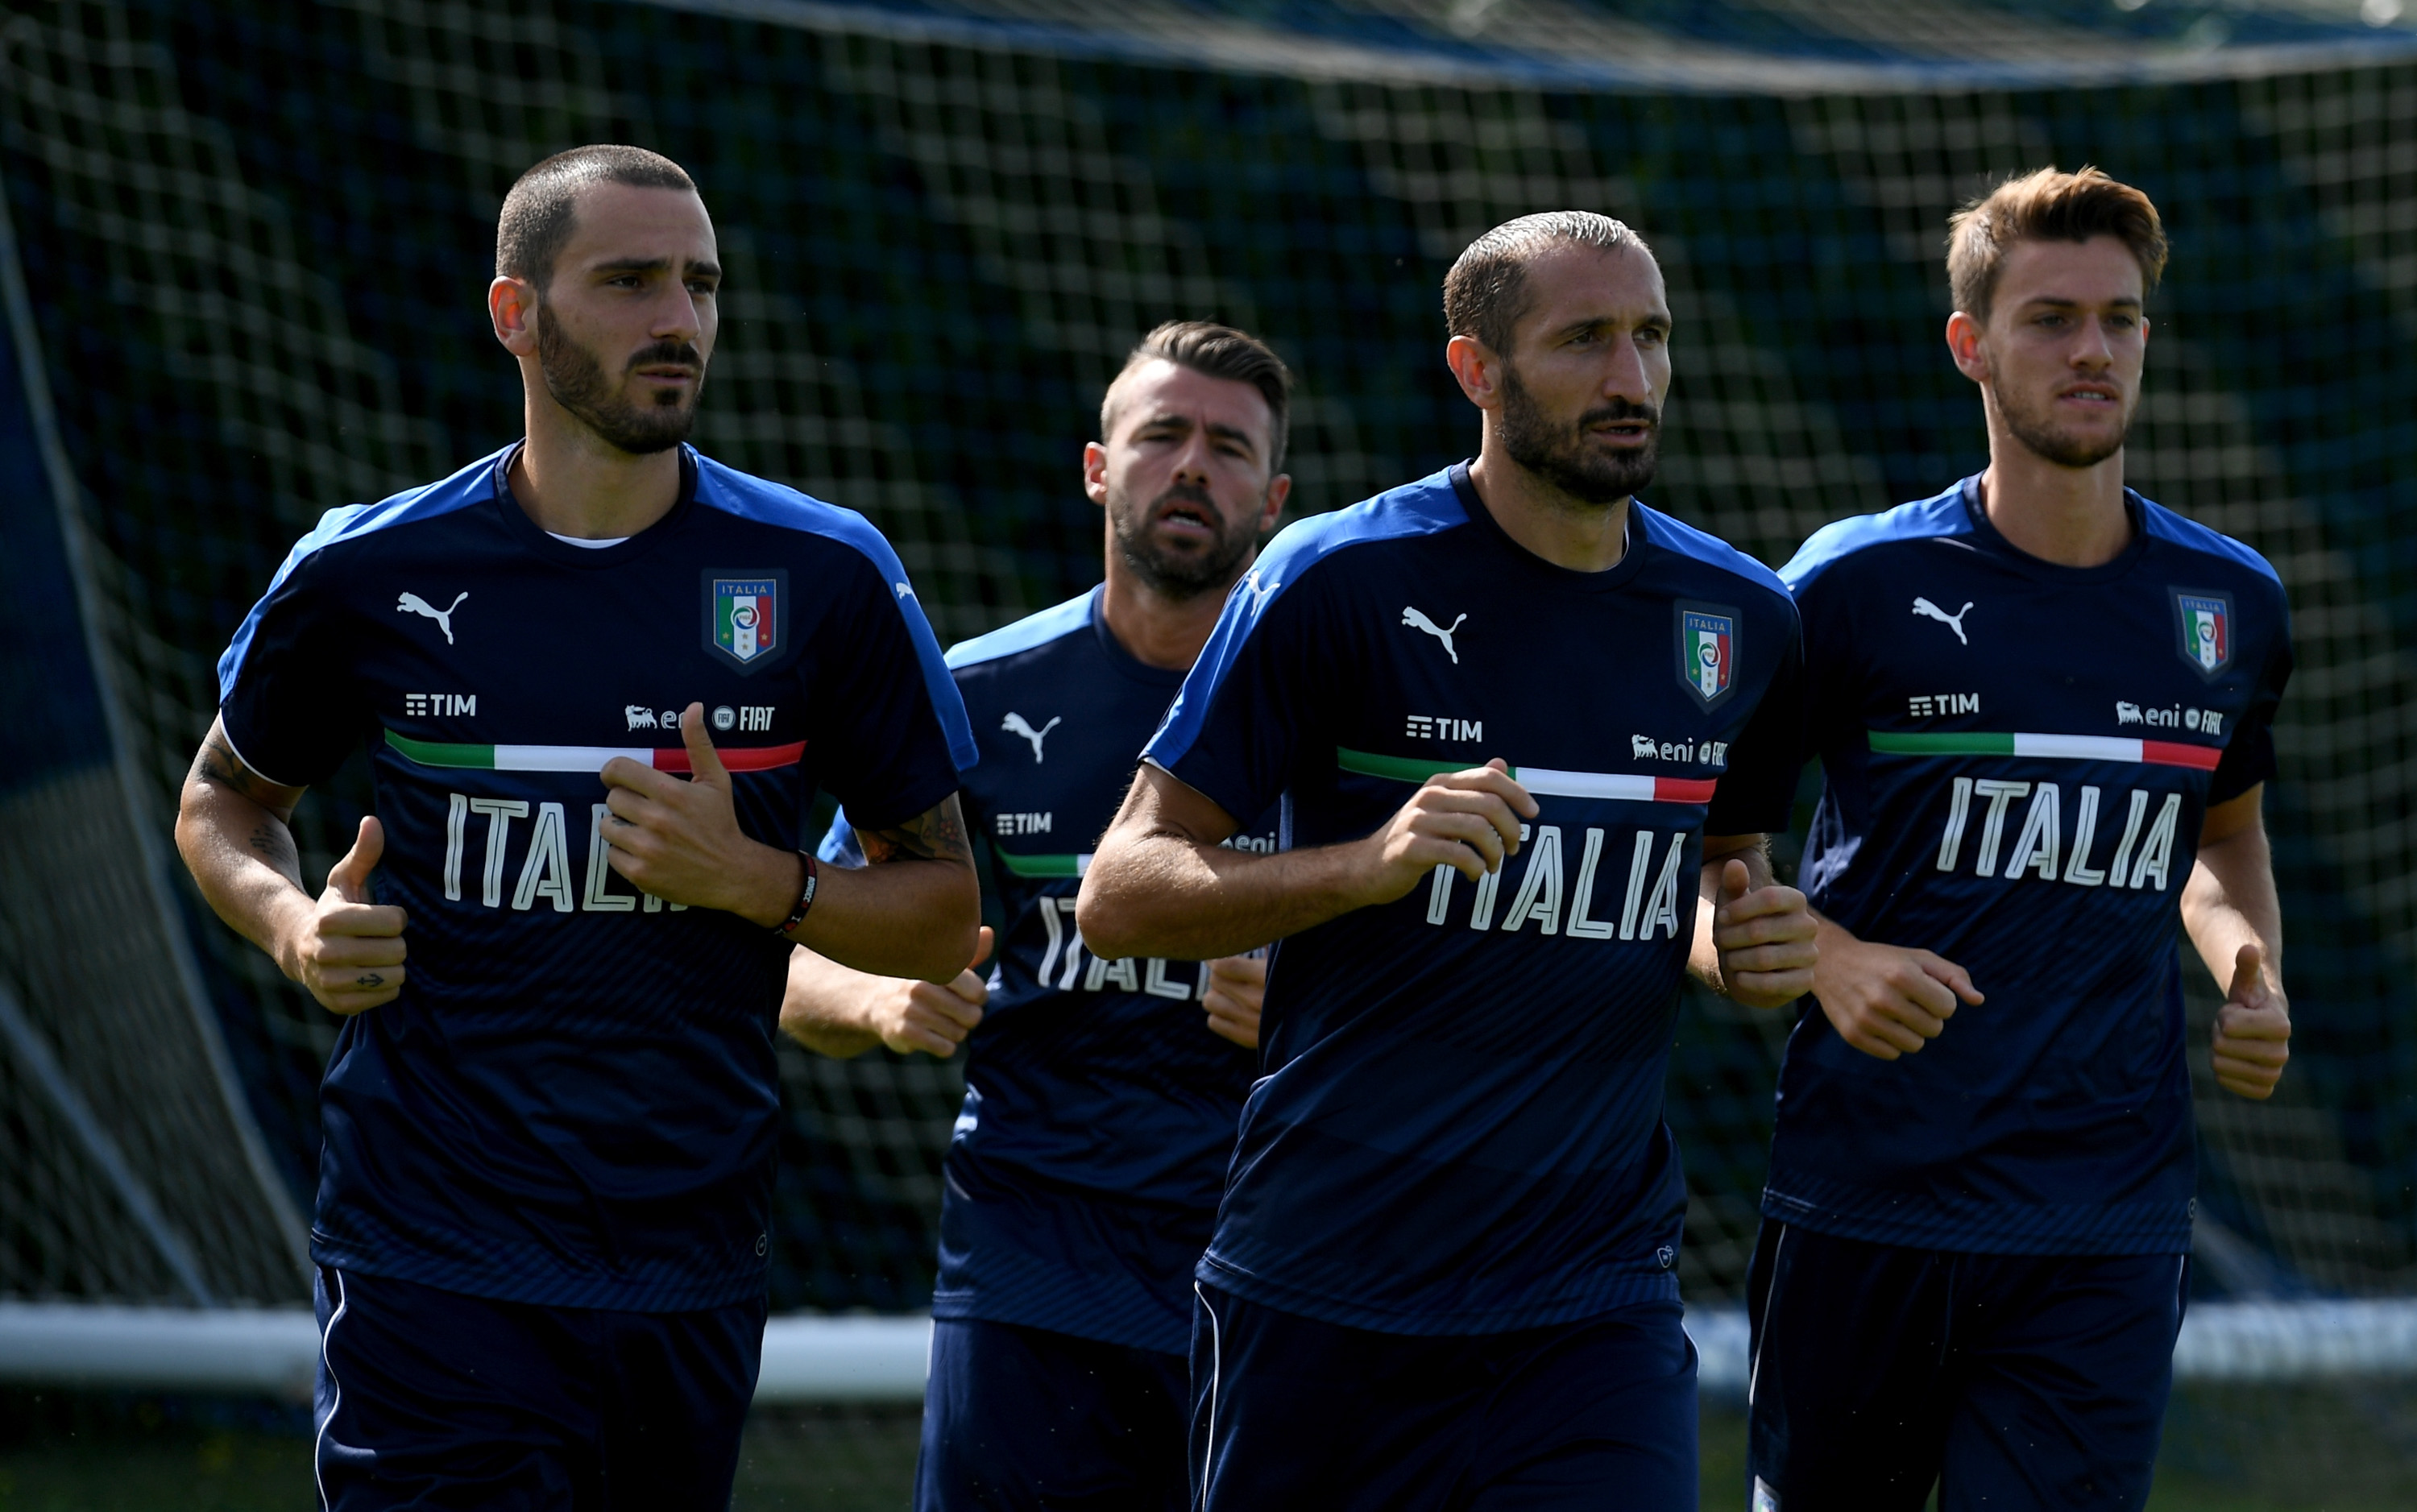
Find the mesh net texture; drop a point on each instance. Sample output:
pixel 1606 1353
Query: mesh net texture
pixel 254 236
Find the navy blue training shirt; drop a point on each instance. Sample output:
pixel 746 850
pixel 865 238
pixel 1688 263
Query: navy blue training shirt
pixel 2019 758
pixel 1459 1125
pixel 573 1101
pixel 1083 1172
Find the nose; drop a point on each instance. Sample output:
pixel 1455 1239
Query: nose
pixel 2093 350
pixel 675 316
pixel 1192 462
pixel 1626 376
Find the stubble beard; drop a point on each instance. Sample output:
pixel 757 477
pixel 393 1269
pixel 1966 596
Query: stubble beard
pixel 1178 575
pixel 577 380
pixel 1563 457
pixel 2036 428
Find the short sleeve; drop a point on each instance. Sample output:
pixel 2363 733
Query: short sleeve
pixel 1757 792
pixel 1828 692
pixel 286 700
pixel 2249 755
pixel 877 718
pixel 839 846
pixel 1238 726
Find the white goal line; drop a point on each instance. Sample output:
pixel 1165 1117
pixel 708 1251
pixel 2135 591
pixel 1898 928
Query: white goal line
pixel 860 1358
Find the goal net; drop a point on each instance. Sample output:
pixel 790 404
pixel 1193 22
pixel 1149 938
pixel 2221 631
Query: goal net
pixel 250 235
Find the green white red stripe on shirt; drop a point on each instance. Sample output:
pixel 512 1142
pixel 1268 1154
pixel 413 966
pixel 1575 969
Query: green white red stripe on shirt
pixel 2052 747
pixel 1542 781
pixel 585 758
pixel 1046 866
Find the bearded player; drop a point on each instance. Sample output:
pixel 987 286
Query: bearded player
pixel 2042 707
pixel 1101 1094
pixel 600 677
pixel 1528 733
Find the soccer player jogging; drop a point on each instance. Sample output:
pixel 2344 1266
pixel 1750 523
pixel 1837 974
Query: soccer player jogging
pixel 1502 706
pixel 1100 1101
pixel 2042 703
pixel 600 677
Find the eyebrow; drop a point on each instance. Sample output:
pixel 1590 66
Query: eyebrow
pixel 2060 302
pixel 1658 319
pixel 1216 428
pixel 654 264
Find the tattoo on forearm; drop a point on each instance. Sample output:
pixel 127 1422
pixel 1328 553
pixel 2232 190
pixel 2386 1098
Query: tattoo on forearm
pixel 274 844
pixel 937 834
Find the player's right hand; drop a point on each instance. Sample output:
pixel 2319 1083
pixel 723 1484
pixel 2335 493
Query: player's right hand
pixel 1887 1001
pixel 926 1016
pixel 1468 821
pixel 348 950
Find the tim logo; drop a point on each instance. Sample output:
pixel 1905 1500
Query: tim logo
pixel 2205 620
pixel 1708 648
pixel 440 705
pixel 746 615
pixel 1443 727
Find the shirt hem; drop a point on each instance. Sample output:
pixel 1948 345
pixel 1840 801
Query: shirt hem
pixel 587 1293
pixel 967 1307
pixel 2006 1231
pixel 1616 1293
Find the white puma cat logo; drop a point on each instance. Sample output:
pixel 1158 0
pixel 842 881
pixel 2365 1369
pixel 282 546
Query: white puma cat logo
pixel 1258 591
pixel 1927 610
pixel 1015 724
pixel 411 603
pixel 1417 621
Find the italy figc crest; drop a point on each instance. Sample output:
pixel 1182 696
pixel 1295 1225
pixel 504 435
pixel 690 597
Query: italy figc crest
pixel 2206 622
pixel 1708 648
pixel 744 614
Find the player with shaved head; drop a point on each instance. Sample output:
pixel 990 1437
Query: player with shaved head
pixel 1527 733
pixel 2042 707
pixel 599 677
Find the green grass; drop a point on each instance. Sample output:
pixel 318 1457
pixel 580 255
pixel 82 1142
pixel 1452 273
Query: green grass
pixel 2241 1450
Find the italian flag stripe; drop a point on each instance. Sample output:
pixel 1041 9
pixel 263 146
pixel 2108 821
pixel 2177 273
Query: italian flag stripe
pixel 585 758
pixel 1542 781
pixel 1046 866
pixel 2052 747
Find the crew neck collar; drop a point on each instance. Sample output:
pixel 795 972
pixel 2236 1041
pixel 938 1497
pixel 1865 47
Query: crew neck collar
pixel 1985 532
pixel 537 538
pixel 1122 660
pixel 1632 555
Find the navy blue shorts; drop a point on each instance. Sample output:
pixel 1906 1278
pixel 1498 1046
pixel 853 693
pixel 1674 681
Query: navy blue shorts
pixel 428 1399
pixel 1291 1412
pixel 1018 1418
pixel 2011 1381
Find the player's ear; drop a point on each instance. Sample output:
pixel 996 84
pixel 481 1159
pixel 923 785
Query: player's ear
pixel 511 304
pixel 1095 472
pixel 1964 344
pixel 1279 490
pixel 1478 369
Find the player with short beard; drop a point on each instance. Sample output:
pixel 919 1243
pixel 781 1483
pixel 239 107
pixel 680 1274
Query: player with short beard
pixel 1442 1273
pixel 642 426
pixel 2041 704
pixel 542 1227
pixel 1101 1095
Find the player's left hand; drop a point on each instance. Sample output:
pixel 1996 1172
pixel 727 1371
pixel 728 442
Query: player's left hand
pixel 1238 985
pixel 1765 939
pixel 679 840
pixel 2253 1030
